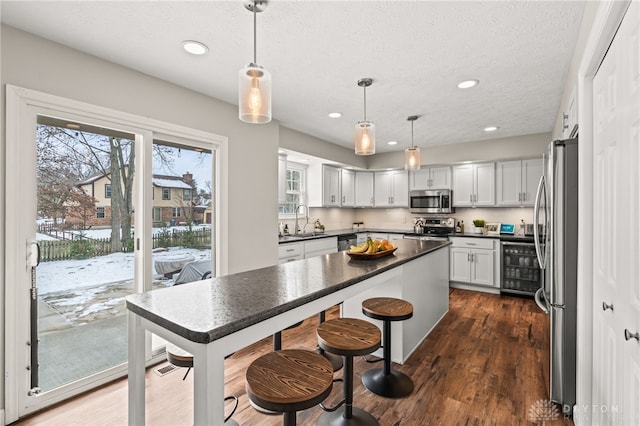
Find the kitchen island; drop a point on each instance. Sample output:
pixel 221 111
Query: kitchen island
pixel 213 318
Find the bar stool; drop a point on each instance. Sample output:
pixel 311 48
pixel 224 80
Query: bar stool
pixel 181 358
pixel 348 337
pixel 336 361
pixel 384 381
pixel 288 381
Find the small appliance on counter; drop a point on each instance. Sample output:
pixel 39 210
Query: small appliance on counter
pixel 507 228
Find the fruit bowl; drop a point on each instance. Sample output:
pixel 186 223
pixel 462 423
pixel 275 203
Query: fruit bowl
pixel 372 256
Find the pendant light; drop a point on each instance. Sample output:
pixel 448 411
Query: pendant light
pixel 365 134
pixel 254 95
pixel 412 158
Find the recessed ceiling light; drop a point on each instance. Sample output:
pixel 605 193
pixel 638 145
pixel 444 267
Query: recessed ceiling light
pixel 491 128
pixel 194 47
pixel 335 114
pixel 73 126
pixel 467 84
pixel 392 143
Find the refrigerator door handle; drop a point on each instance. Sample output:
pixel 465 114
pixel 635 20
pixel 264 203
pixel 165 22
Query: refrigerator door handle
pixel 536 217
pixel 540 300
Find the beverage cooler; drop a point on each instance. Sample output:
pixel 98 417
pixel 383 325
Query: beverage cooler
pixel 520 269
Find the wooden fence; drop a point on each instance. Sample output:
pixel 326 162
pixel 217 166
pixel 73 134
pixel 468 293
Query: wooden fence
pixel 83 247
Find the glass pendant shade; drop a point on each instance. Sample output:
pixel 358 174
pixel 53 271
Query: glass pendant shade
pixel 365 138
pixel 412 158
pixel 254 95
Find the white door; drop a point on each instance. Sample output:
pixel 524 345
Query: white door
pixel 531 172
pixel 79 187
pixel 330 186
pixel 440 177
pixel 463 185
pixel 399 188
pixel 482 267
pixel 460 259
pixel 485 181
pixel 420 179
pixel 348 188
pixel 364 189
pixel 509 183
pixel 616 212
pixel 382 189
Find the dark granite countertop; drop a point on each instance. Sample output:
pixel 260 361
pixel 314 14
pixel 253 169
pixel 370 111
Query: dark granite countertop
pixel 204 311
pixel 339 232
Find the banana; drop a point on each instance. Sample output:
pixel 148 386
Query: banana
pixel 372 247
pixel 359 249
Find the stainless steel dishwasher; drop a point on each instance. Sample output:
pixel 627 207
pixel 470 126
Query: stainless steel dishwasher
pixel 346 241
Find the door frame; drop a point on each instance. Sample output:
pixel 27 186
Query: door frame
pixel 22 107
pixel 605 24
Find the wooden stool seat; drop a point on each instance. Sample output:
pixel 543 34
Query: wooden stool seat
pixel 289 380
pixel 385 381
pixel 387 308
pixel 348 337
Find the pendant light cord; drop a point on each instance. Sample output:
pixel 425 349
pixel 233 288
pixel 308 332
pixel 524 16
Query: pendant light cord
pixel 255 61
pixel 365 103
pixel 411 133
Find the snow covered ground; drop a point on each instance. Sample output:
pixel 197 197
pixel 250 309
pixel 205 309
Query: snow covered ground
pixel 84 290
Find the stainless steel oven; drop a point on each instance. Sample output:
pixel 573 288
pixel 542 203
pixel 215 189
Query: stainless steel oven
pixel 430 201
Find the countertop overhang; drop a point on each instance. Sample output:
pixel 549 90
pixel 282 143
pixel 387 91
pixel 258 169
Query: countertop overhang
pixel 204 311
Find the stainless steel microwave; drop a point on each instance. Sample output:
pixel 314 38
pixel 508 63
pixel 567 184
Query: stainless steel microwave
pixel 430 201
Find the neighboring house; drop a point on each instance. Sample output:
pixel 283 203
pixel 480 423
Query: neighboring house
pixel 174 201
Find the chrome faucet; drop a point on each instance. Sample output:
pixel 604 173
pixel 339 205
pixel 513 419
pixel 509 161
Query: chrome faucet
pixel 306 212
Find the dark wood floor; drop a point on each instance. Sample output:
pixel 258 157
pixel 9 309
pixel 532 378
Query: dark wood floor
pixel 482 365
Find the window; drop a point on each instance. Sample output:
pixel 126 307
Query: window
pixel 186 194
pixel 100 213
pixel 107 190
pixel 157 216
pixel 296 188
pixel 175 212
pixel 166 193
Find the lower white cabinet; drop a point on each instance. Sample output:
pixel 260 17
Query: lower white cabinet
pixel 321 246
pixel 288 252
pixel 473 261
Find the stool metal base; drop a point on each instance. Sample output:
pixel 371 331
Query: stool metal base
pixel 358 417
pixel 231 422
pixel 393 385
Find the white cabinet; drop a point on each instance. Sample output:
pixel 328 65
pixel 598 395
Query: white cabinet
pixel 473 261
pixel 391 188
pixel 570 117
pixel 290 251
pixel 320 246
pixel 330 186
pixel 430 178
pixel 474 185
pixel 518 182
pixel 348 187
pixel 282 179
pixel 364 189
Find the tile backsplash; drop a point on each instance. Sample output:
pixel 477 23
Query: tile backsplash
pixel 401 219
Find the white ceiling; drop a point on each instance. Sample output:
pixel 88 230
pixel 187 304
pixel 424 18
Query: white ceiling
pixel 415 51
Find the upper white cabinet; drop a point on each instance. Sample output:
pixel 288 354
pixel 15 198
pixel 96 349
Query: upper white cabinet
pixel 391 188
pixel 347 186
pixel 282 179
pixel 570 117
pixel 364 189
pixel 474 185
pixel 430 178
pixel 518 182
pixel 330 186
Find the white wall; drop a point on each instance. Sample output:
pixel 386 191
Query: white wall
pixel 35 63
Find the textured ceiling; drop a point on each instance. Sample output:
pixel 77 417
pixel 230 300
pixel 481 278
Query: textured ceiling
pixel 415 51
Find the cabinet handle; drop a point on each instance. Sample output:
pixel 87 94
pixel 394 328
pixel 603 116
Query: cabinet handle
pixel 291 249
pixel 343 198
pixel 605 306
pixel 519 196
pixel 629 335
pixel 471 198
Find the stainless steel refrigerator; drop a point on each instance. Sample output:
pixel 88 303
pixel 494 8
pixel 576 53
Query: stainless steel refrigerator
pixel 556 207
